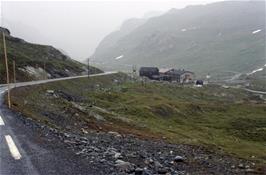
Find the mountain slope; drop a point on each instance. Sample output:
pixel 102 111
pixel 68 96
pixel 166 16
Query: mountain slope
pixel 125 29
pixel 32 59
pixel 225 36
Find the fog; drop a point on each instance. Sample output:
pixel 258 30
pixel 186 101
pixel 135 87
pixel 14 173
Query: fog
pixel 78 27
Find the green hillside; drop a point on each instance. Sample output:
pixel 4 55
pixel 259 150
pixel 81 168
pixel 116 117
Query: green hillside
pixel 32 59
pixel 222 119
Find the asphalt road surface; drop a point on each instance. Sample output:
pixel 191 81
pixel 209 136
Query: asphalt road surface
pixel 24 150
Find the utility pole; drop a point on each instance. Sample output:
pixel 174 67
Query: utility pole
pixel 88 68
pixel 208 78
pixel 14 71
pixel 7 73
pixel 134 72
pixel 44 72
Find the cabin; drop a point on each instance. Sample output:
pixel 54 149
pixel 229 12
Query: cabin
pixel 150 72
pixel 178 75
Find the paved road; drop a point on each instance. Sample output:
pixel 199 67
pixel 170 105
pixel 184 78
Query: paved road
pixel 23 150
pixel 254 91
pixel 3 86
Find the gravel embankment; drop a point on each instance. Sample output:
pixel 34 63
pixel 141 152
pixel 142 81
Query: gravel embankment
pixel 113 153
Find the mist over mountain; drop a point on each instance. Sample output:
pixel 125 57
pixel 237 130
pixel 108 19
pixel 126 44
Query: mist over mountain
pixel 76 26
pixel 218 37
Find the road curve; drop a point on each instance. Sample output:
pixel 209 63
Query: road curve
pixel 254 91
pixel 12 85
pixel 23 151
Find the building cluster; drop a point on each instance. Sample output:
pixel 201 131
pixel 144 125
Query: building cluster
pixel 171 74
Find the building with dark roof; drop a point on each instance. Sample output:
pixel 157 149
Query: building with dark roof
pixel 178 75
pixel 171 74
pixel 150 72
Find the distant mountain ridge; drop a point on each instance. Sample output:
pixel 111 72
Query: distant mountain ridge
pixel 34 61
pixel 218 37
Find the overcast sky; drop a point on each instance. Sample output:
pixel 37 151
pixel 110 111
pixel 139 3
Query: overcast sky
pixel 77 27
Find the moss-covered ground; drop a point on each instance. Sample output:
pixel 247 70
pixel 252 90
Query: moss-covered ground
pixel 224 119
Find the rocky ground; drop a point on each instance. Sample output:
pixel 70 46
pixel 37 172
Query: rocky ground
pixel 114 153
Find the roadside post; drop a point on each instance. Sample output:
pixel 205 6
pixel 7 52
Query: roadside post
pixel 44 72
pixel 7 73
pixel 88 68
pixel 14 72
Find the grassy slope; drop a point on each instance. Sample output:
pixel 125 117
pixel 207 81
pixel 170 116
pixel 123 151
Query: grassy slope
pixel 212 116
pixel 258 80
pixel 35 55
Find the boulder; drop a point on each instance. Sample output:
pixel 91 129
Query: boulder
pixel 179 159
pixel 124 166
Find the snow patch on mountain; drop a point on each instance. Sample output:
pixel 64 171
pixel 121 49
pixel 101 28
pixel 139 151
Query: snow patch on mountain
pixel 256 31
pixel 189 28
pixel 257 70
pixel 119 57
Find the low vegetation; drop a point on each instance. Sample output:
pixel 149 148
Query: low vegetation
pixel 257 80
pixel 224 119
pixel 35 61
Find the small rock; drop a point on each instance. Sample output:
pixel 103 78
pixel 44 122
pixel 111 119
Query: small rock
pixel 147 172
pixel 66 135
pixel 157 165
pixel 110 151
pixel 162 158
pixel 119 161
pixel 69 142
pixel 249 170
pixel 162 171
pixel 148 161
pixel 102 160
pixel 138 171
pixel 50 92
pixel 241 166
pixel 84 131
pixel 124 166
pixel 116 134
pixel 81 152
pixel 117 155
pixel 179 159
pixel 172 162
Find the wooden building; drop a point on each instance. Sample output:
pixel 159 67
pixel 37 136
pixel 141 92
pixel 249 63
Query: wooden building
pixel 150 72
pixel 177 75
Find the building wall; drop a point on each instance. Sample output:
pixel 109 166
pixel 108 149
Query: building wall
pixel 148 73
pixel 186 77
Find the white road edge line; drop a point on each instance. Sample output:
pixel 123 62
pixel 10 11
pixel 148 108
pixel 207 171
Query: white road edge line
pixel 12 148
pixel 1 121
